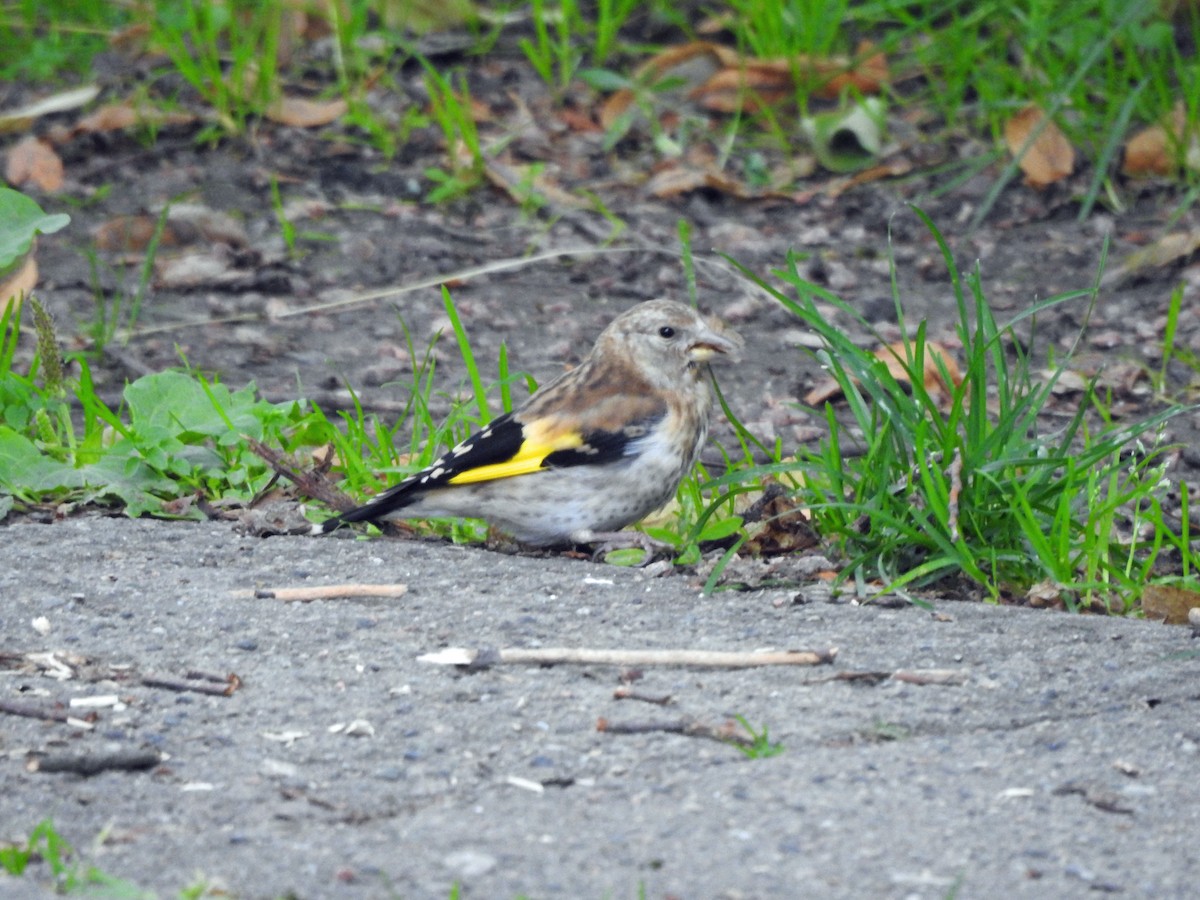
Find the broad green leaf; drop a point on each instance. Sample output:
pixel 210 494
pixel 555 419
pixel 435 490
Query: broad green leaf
pixel 22 220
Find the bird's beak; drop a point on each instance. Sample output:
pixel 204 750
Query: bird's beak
pixel 716 340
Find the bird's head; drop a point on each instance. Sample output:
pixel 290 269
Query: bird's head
pixel 665 339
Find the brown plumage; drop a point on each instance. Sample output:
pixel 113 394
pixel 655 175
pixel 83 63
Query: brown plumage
pixel 596 449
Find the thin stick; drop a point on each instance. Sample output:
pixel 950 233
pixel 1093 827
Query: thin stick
pixel 548 656
pixel 630 694
pixel 909 676
pixel 954 472
pixel 223 688
pixel 91 763
pixel 726 733
pixel 30 711
pixel 323 592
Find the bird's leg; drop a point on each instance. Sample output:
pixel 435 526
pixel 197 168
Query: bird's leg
pixel 606 541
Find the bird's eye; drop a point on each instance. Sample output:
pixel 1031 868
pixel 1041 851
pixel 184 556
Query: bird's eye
pixel 666 332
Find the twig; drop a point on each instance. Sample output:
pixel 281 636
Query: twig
pixel 909 676
pixel 312 483
pixel 726 733
pixel 486 657
pixel 196 682
pixel 323 592
pixel 91 763
pixel 630 694
pixel 931 676
pixel 30 711
pixel 954 472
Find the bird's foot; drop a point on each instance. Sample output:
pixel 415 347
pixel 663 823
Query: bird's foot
pixel 605 542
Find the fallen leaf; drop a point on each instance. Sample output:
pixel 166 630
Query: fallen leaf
pixel 895 357
pixel 302 112
pixel 20 119
pixel 1163 252
pixel 750 84
pixel 1042 150
pixel 892 168
pixel 17 286
pixel 187 223
pixel 1148 153
pixel 681 178
pixel 776 524
pixel 119 116
pixel 32 161
pixel 1154 150
pixel 523 182
pixel 129 234
pixel 692 62
pixel 1169 604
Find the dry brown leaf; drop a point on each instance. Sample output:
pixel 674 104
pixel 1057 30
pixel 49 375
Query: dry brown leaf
pixel 20 119
pixel 519 181
pixel 776 523
pixel 1168 604
pixel 694 62
pixel 302 112
pixel 32 161
pixel 1152 151
pixel 119 116
pixel 1148 153
pixel 892 168
pixel 17 286
pixel 1163 252
pixel 754 83
pixel 187 223
pixel 130 234
pixel 752 87
pixel 1048 155
pixel 894 356
pixel 681 178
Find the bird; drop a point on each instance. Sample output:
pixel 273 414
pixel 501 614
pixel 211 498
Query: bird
pixel 598 448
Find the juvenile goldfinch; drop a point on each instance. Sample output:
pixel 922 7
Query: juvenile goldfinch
pixel 594 450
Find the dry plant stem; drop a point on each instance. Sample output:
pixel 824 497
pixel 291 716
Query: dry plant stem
pixel 931 676
pixel 726 733
pixel 657 700
pixel 954 472
pixel 548 656
pixel 909 676
pixel 205 685
pixel 30 711
pixel 91 763
pixel 323 592
pixel 312 484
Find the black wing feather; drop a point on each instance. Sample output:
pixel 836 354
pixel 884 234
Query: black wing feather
pixel 494 443
pixel 600 447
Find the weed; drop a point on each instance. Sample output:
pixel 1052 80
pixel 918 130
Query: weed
pixel 760 746
pixel 975 487
pixel 45 844
pixel 54 39
pixel 227 52
pixel 452 112
pixel 552 52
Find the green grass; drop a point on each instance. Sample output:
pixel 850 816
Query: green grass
pixel 759 746
pixel 913 493
pixel 45 845
pixel 1101 69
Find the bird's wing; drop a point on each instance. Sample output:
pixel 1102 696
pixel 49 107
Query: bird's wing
pixel 507 447
pixel 548 443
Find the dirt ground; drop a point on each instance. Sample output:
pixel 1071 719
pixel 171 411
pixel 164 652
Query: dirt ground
pixel 899 791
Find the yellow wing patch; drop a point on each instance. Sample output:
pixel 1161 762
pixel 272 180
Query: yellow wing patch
pixel 540 443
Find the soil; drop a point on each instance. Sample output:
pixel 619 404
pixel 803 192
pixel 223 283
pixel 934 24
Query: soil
pixel 1060 767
